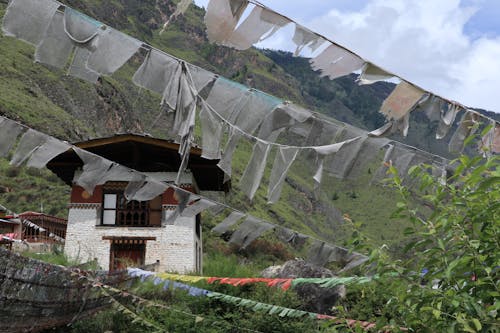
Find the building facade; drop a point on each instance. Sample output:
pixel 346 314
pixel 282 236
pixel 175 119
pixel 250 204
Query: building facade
pixel 104 226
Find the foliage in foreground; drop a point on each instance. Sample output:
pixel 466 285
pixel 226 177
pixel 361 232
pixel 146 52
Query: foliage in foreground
pixel 449 283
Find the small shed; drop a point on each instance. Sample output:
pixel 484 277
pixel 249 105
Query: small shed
pixel 104 226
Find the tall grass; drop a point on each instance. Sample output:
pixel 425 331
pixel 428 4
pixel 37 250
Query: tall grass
pixel 222 265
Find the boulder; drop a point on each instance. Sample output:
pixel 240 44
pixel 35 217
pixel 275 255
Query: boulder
pixel 315 298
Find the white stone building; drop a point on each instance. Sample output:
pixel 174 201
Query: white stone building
pixel 102 225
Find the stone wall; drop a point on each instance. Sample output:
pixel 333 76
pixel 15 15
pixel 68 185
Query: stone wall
pixel 175 246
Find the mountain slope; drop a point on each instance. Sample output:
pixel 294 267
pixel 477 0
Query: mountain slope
pixel 68 108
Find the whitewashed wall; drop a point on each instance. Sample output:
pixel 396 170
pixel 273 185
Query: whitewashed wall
pixel 175 245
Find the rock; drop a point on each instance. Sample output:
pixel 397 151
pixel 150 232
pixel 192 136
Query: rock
pixel 271 272
pixel 315 298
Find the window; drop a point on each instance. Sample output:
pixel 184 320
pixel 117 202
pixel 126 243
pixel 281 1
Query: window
pixel 119 212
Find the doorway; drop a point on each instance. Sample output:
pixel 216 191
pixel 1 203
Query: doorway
pixel 127 253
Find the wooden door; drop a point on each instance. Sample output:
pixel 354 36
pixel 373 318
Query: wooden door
pixel 127 255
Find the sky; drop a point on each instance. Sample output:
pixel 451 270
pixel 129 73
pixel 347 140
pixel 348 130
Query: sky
pixel 449 47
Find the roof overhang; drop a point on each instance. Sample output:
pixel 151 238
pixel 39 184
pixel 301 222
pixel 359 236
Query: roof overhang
pixel 142 153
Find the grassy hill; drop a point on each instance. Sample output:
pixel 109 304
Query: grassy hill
pixel 70 109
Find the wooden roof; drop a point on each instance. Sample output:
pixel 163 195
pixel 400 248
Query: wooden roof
pixel 142 153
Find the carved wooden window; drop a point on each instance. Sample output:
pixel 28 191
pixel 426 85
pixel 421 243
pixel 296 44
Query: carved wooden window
pixel 117 211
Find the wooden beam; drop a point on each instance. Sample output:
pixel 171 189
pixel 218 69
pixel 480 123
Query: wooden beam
pixel 127 238
pixel 137 138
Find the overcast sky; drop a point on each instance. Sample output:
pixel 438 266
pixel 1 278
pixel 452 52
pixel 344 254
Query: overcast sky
pixel 450 47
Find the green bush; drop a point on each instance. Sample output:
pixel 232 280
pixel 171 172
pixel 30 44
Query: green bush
pixel 449 279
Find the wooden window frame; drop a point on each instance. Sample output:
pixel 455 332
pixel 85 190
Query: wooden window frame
pixel 138 207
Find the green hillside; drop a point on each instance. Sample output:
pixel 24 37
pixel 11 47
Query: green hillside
pixel 71 109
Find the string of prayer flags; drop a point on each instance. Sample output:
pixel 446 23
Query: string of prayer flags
pixel 28 19
pixel 341 162
pixel 321 253
pixel 123 309
pixel 282 162
pixel 225 164
pixel 285 312
pixel 252 176
pixel 447 120
pixel 241 108
pixel 403 158
pixel 33 225
pixel 402 99
pixel 466 127
pixel 94 56
pixel 226 97
pixel 51 148
pixel 290 236
pixel 322 133
pixel 80 28
pixel 211 132
pixel 148 191
pixel 431 106
pixel 332 282
pixel 282 117
pixel 142 302
pixel 350 260
pixel 261 307
pixel 258 26
pixel 201 78
pixel 371 74
pixel 381 173
pixel 182 7
pixel 197 207
pixel 114 49
pixel 70 32
pixel 304 37
pixel 249 304
pixel 134 185
pixel 178 277
pixel 228 222
pixel 100 50
pixel 490 142
pixel 284 284
pixel 118 172
pixel 78 67
pixel 9 132
pixel 221 18
pixel 369 151
pixel 93 171
pixel 55 47
pixel 336 61
pixel 183 198
pixel 323 151
pixel 248 231
pixel 30 141
pixel 157 71
pixel 253 108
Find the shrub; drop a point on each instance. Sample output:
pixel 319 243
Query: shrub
pixel 448 280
